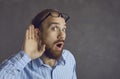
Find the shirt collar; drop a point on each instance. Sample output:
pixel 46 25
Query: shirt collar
pixel 60 61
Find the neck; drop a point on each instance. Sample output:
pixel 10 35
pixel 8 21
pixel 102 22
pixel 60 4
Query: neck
pixel 47 60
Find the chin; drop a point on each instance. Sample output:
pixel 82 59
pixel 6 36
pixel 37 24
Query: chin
pixel 53 54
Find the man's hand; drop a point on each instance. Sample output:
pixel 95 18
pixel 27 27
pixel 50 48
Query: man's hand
pixel 32 45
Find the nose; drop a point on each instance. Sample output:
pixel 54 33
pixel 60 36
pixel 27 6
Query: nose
pixel 61 35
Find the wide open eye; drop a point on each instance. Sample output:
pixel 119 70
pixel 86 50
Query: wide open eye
pixel 64 29
pixel 54 28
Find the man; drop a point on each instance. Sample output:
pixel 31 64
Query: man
pixel 42 55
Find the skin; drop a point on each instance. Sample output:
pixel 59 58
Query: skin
pixel 43 43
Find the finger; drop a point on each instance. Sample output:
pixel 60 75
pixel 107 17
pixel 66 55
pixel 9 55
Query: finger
pixel 27 34
pixel 32 31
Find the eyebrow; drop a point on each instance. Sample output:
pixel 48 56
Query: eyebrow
pixel 55 23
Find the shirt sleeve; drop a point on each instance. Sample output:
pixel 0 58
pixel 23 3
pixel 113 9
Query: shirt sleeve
pixel 12 66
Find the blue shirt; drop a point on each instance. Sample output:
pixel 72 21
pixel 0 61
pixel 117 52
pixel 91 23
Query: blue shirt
pixel 21 66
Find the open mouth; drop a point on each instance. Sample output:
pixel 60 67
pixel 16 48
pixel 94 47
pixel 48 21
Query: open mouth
pixel 60 45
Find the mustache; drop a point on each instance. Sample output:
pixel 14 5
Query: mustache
pixel 59 41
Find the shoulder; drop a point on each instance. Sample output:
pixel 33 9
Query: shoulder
pixel 68 56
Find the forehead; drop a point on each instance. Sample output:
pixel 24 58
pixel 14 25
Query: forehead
pixel 56 20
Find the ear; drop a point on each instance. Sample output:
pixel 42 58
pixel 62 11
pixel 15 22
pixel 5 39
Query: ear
pixel 37 32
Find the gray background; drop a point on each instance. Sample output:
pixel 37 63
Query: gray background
pixel 93 32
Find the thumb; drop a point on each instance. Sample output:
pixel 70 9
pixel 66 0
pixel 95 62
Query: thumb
pixel 42 49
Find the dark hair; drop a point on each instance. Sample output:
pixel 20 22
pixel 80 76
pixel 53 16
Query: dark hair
pixel 38 19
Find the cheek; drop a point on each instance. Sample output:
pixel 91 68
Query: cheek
pixel 49 38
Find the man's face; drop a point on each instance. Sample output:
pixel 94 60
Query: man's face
pixel 53 35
